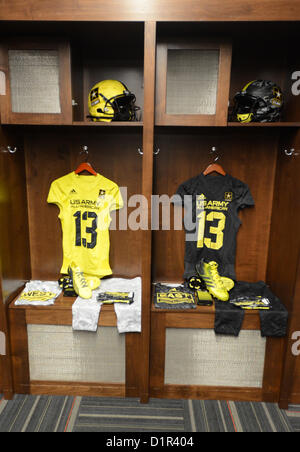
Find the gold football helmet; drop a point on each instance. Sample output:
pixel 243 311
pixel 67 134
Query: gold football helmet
pixel 110 100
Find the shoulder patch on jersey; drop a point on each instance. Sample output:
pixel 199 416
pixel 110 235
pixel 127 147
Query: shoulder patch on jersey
pixel 228 196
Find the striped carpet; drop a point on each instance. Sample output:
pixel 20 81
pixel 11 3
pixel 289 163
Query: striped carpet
pixel 26 413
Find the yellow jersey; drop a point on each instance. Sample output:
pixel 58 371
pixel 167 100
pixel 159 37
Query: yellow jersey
pixel 85 203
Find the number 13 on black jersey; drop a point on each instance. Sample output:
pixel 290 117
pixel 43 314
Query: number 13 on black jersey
pixel 203 218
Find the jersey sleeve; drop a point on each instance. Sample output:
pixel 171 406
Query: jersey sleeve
pixel 245 198
pixel 181 192
pixel 55 195
pixel 116 200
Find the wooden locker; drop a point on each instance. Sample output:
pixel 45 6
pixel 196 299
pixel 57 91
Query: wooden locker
pixel 152 156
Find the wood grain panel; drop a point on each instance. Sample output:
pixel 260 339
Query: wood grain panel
pixel 52 155
pixel 76 389
pixel 14 240
pixel 295 391
pixel 184 155
pixel 200 317
pixel 14 243
pixel 19 348
pixel 185 320
pixel 207 393
pixel 283 273
pixel 61 313
pixel 275 348
pixel 147 190
pixel 135 365
pixel 209 10
pixel 5 372
pixel 157 352
pixel 284 236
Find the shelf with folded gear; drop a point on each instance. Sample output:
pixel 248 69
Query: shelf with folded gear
pixel 201 337
pixel 35 312
pixel 194 297
pixel 61 312
pixel 197 316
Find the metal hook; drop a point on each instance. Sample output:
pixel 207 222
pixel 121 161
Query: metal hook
pixel 154 152
pixel 10 149
pixel 290 152
pixel 85 150
pixel 213 151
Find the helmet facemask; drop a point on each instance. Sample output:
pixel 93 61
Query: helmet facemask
pixel 249 108
pixel 261 104
pixel 124 108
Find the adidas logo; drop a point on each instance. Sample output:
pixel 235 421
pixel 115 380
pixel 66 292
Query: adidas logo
pixel 73 192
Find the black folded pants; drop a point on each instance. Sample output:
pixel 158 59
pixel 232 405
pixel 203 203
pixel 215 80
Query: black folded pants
pixel 229 318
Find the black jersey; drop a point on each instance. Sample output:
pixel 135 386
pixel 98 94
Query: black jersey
pixel 212 204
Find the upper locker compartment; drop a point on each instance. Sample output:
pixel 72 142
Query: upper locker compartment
pixel 107 51
pixel 265 51
pixel 202 66
pixel 193 76
pixel 37 81
pixel 50 69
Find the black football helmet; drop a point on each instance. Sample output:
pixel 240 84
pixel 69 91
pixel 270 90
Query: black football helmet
pixel 259 101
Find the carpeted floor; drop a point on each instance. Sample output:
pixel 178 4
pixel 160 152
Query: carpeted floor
pixel 27 413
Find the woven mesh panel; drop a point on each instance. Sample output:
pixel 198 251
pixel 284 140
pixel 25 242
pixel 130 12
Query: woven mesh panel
pixel 200 357
pixel 2 343
pixel 34 80
pixel 59 353
pixel 192 79
pixel 2 84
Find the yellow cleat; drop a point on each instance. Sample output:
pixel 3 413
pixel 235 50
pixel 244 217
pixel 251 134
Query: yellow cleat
pixel 227 283
pixel 212 280
pixel 93 281
pixel 80 284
